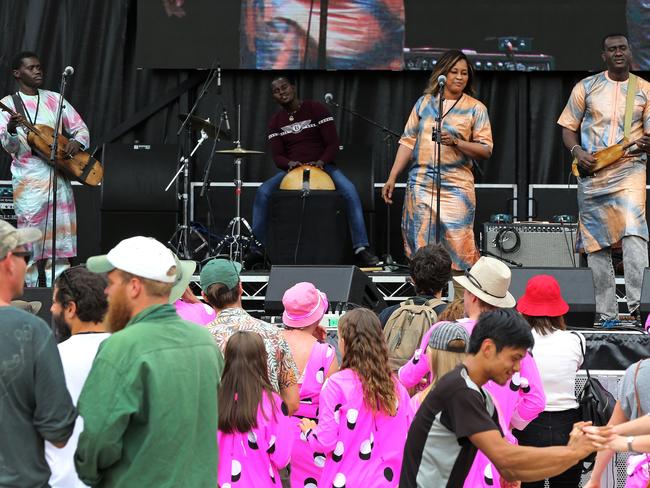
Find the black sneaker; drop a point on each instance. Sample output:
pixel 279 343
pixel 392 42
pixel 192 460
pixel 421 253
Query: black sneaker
pixel 366 259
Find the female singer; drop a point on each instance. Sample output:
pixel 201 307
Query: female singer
pixel 466 136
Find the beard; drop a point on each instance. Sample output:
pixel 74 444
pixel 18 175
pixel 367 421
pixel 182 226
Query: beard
pixel 119 311
pixel 61 327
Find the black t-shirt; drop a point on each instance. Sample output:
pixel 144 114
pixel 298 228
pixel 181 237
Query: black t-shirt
pixel 438 451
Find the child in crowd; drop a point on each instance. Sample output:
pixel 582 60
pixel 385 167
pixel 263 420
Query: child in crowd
pixel 253 427
pixel 364 411
pixel 304 307
pixel 446 350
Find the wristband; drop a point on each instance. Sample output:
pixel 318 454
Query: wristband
pixel 629 440
pixel 573 147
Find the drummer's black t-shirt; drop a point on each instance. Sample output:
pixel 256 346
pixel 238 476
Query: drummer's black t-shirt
pixel 310 137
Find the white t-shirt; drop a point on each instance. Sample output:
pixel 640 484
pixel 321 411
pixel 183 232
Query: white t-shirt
pixel 558 356
pixel 77 355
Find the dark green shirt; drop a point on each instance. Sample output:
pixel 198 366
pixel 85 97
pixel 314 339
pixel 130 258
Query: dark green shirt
pixel 150 406
pixel 34 401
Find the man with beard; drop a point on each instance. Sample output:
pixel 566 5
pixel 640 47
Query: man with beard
pixel 78 308
pixel 34 402
pixel 612 201
pixel 303 132
pixel 150 401
pixel 31 175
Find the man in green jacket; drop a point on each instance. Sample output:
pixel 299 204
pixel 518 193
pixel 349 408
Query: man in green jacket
pixel 150 401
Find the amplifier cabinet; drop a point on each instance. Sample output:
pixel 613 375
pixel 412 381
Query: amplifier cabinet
pixel 537 244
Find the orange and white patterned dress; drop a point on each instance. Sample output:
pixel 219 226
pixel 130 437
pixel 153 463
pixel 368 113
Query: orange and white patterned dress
pixel 467 120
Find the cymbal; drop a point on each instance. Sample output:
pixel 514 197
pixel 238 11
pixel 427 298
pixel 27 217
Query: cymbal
pixel 197 123
pixel 239 150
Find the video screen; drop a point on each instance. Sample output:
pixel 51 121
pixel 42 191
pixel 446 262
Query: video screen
pixel 504 35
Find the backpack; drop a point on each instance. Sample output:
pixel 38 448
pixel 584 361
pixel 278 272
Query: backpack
pixel 405 328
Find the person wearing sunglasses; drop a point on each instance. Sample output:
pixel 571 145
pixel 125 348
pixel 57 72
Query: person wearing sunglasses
pixel 34 402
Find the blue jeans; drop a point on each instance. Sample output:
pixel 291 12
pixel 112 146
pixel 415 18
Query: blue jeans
pixel 345 188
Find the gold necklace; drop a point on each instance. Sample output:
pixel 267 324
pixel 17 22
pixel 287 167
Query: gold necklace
pixel 291 114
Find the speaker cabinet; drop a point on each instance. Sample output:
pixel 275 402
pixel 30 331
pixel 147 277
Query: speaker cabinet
pixel 309 231
pixel 342 284
pixel 576 284
pixel 533 243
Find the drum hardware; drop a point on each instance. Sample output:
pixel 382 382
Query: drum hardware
pixel 234 240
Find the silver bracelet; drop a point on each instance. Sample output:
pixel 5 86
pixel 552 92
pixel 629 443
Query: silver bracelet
pixel 573 147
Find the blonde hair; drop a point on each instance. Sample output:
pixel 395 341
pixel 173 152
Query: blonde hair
pixel 442 362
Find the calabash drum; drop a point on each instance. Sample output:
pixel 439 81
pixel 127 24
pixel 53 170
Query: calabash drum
pixel 318 179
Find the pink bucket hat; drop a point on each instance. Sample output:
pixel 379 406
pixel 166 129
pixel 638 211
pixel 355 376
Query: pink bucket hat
pixel 304 305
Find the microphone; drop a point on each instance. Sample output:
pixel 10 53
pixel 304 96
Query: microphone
pixel 225 119
pixel 442 79
pixel 329 98
pixel 69 70
pixel 219 76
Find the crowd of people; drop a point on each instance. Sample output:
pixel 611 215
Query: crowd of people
pixel 149 392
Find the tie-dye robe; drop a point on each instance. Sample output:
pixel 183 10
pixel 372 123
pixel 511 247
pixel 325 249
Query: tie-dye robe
pixel 611 203
pixel 31 176
pixel 467 120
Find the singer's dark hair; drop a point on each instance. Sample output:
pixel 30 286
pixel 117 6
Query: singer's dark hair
pixel 17 60
pixel 443 66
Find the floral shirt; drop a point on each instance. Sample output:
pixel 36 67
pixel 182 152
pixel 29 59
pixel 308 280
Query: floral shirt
pixel 283 371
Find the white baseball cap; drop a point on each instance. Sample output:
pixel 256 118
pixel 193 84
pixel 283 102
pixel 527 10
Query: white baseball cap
pixel 141 256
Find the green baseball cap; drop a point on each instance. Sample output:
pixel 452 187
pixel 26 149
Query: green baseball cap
pixel 221 271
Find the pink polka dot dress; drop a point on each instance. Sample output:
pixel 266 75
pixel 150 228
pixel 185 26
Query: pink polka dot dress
pixel 361 449
pixel 306 463
pixel 252 459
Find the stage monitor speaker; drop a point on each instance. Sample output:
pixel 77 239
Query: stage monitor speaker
pixel 135 177
pixel 120 225
pixel 342 284
pixel 576 284
pixel 320 231
pixel 532 243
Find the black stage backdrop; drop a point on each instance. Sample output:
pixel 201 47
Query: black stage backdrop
pixel 123 104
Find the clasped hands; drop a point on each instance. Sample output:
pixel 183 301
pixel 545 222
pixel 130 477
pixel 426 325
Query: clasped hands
pixel 318 164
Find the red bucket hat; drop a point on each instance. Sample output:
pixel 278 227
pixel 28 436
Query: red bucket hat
pixel 542 298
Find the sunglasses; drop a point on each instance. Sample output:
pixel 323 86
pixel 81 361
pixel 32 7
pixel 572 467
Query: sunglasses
pixel 26 255
pixel 477 284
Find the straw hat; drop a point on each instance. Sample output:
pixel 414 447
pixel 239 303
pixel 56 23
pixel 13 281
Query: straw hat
pixel 489 280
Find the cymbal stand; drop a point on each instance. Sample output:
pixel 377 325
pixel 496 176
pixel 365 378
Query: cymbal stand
pixel 236 242
pixel 180 240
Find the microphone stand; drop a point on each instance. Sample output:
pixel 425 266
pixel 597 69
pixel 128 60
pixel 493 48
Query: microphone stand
pixel 389 263
pixel 55 178
pixel 438 182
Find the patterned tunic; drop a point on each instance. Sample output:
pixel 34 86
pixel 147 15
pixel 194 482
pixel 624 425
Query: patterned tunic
pixel 283 372
pixel 31 175
pixel 611 203
pixel 252 459
pixel 361 449
pixel 467 120
pixel 306 464
pixel 273 34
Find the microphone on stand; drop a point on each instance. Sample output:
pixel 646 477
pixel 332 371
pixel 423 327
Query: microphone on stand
pixel 225 119
pixel 305 183
pixel 68 71
pixel 329 98
pixel 442 79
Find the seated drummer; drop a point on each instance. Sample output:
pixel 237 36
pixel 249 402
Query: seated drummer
pixel 303 132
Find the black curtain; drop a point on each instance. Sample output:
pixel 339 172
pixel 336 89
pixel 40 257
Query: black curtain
pixel 98 39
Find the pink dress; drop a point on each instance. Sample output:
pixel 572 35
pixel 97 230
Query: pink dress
pixel 307 464
pixel 522 398
pixel 361 449
pixel 252 459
